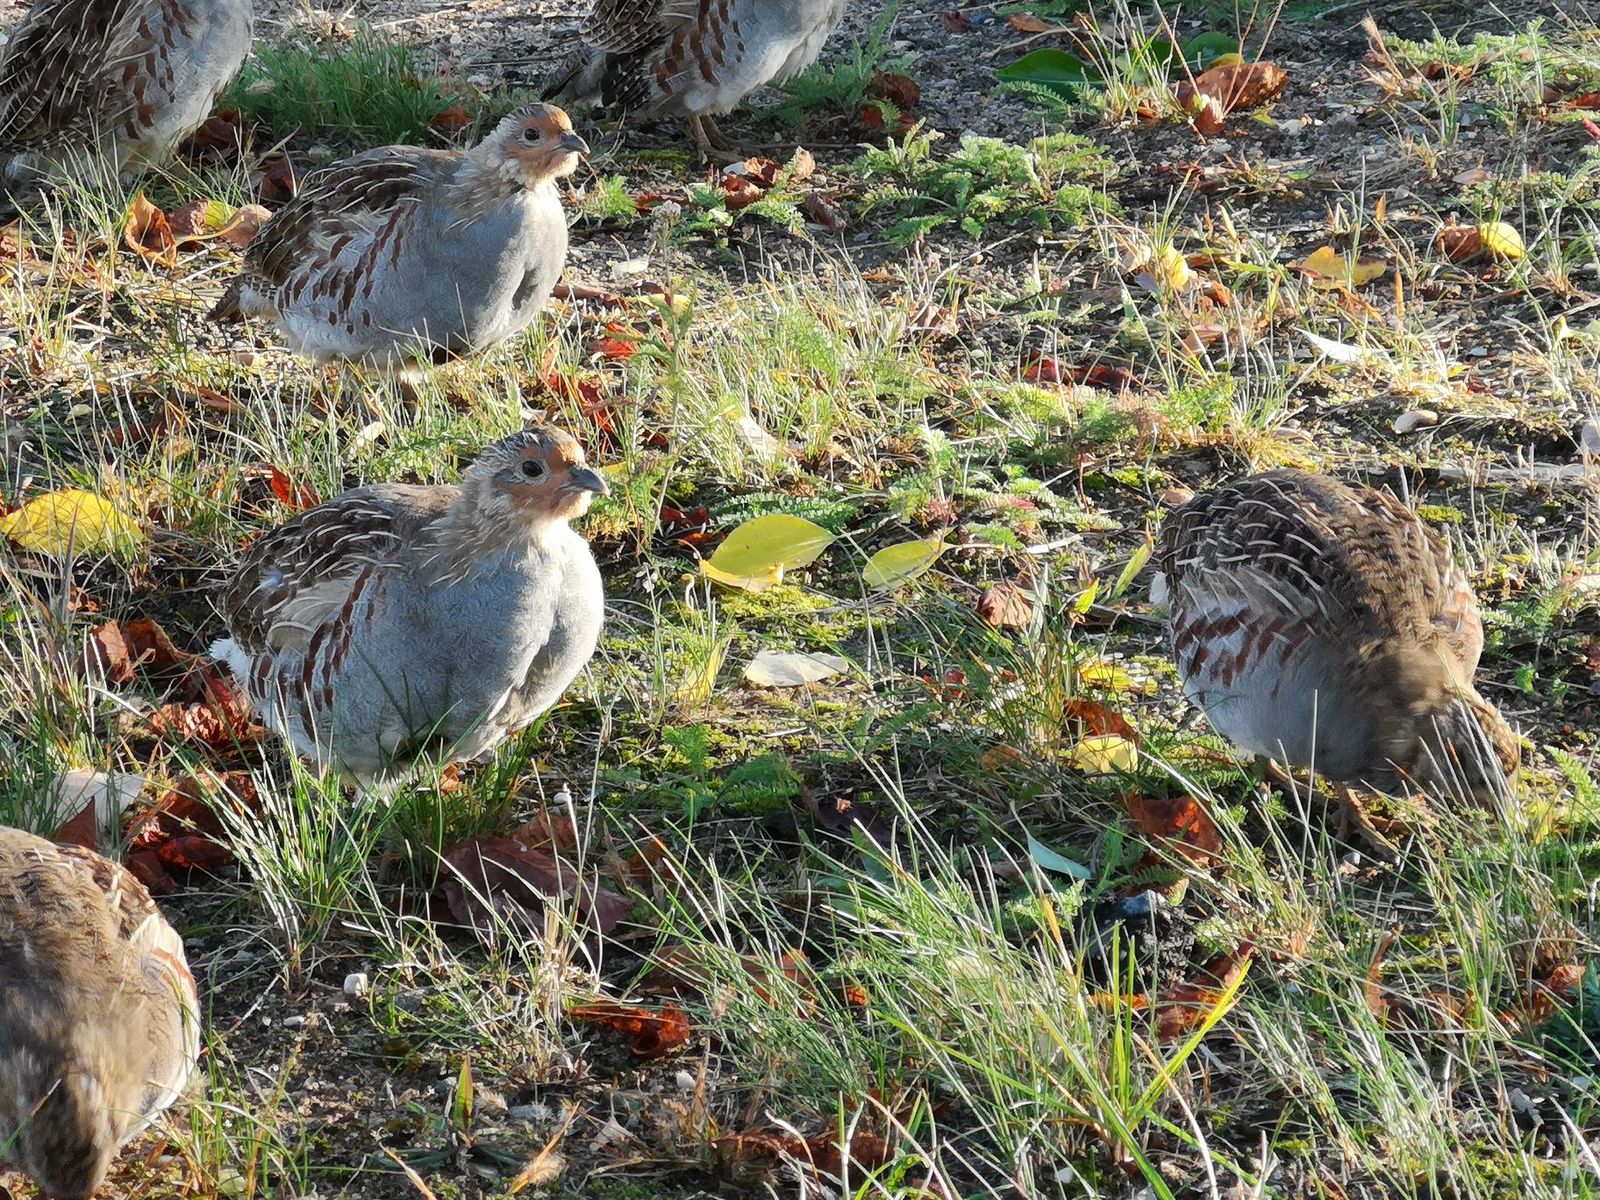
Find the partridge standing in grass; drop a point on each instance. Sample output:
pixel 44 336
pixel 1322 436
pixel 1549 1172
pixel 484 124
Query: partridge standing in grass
pixel 1325 626
pixel 692 58
pixel 403 252
pixel 92 88
pixel 397 621
pixel 99 1023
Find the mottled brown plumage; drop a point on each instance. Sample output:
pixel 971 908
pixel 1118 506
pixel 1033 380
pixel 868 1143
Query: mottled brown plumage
pixel 1327 626
pixel 91 88
pixel 99 1022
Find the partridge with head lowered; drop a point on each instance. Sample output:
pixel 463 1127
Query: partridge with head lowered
pixel 92 88
pixel 403 253
pixel 99 1022
pixel 1325 626
pixel 399 621
pixel 692 58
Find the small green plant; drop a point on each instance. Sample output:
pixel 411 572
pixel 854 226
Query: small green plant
pixel 987 181
pixel 843 86
pixel 368 90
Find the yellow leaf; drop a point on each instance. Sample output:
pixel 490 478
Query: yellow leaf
pixel 1103 753
pixel 1096 672
pixel 1172 269
pixel 69 522
pixel 1502 241
pixel 756 554
pixel 1331 270
pixel 894 565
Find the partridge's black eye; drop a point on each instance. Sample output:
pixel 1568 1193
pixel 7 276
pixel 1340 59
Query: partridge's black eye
pixel 532 468
pixel 530 134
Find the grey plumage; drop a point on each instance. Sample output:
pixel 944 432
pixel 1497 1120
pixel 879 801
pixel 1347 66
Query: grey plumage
pixel 690 58
pixel 90 89
pixel 1326 625
pixel 403 251
pixel 99 1023
pixel 395 622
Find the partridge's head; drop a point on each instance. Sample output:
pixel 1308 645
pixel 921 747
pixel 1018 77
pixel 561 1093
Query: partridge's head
pixel 1467 751
pixel 536 143
pixel 532 479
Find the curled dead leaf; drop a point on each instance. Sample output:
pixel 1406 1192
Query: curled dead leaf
pixel 1179 821
pixel 1239 87
pixel 146 232
pixel 652 1032
pixel 1006 606
pixel 490 882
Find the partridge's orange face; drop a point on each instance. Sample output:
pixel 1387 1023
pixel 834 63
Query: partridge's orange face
pixel 539 138
pixel 547 478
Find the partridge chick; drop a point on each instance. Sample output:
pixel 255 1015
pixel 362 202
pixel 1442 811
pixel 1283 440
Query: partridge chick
pixel 99 1023
pixel 395 621
pixel 402 251
pixel 91 88
pixel 1325 626
pixel 692 58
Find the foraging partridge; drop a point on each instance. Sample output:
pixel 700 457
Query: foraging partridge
pixel 692 58
pixel 91 88
pixel 402 251
pixel 99 1023
pixel 396 621
pixel 1324 625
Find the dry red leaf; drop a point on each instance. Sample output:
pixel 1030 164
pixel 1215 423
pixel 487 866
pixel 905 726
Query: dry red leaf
pixel 1100 721
pixel 188 223
pixel 825 211
pixel 194 852
pixel 1180 821
pixel 1379 1004
pixel 1239 87
pixel 1546 997
pixel 148 869
pixel 219 723
pixel 119 652
pixel 1459 242
pixel 899 90
pixel 689 971
pixel 619 343
pixel 867 1152
pixel 1205 111
pixel 740 192
pixel 652 1032
pixel 1183 1008
pixel 493 881
pixel 1587 100
pixel 290 494
pixel 955 21
pixel 240 229
pixel 81 830
pixel 451 121
pixel 147 233
pixel 278 181
pixel 219 138
pixel 1006 606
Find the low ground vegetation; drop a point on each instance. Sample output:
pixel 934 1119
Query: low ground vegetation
pixel 980 909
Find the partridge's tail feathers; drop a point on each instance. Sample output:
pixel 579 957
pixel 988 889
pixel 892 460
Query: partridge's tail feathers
pixel 229 309
pixel 577 79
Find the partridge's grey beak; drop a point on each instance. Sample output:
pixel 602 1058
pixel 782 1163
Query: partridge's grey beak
pixel 571 141
pixel 589 481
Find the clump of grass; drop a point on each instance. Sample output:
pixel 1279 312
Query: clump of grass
pixel 843 86
pixel 1056 179
pixel 367 90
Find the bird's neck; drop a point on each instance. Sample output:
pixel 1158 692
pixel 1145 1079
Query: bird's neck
pixel 467 539
pixel 488 177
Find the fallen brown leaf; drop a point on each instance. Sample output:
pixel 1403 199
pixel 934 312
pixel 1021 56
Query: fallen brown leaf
pixel 1006 606
pixel 494 881
pixel 146 233
pixel 1183 1008
pixel 825 211
pixel 1179 821
pixel 1239 87
pixel 652 1032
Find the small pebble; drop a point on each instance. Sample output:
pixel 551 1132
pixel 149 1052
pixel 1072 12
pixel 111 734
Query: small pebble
pixel 294 1022
pixel 1417 418
pixel 1589 436
pixel 357 985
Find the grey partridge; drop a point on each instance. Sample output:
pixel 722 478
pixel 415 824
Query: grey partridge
pixel 1325 626
pixel 692 58
pixel 92 88
pixel 99 1022
pixel 403 252
pixel 399 621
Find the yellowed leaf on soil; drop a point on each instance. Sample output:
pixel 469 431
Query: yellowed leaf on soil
pixel 1331 270
pixel 69 522
pixel 1100 754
